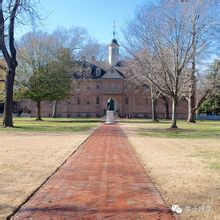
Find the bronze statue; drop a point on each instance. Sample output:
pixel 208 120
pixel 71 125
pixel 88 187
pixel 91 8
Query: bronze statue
pixel 110 104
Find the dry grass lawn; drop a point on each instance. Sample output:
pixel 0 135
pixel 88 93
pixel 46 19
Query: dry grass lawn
pixel 185 170
pixel 27 159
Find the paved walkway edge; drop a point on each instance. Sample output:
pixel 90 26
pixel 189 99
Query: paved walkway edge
pixel 103 178
pixel 153 181
pixel 49 177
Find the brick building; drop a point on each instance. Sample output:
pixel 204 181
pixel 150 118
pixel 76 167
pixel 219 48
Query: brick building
pixel 92 88
pixel 2 84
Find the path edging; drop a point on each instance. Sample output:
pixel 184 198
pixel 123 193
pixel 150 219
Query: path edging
pixel 48 178
pixel 146 170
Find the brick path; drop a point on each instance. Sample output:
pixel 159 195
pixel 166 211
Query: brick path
pixel 102 180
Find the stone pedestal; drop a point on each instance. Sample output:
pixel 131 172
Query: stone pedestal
pixel 110 117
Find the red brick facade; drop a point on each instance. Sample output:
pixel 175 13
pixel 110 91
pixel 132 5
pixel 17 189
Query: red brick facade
pixel 90 99
pixel 96 83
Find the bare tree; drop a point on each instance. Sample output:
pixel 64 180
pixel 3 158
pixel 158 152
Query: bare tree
pixel 94 51
pixel 154 97
pixel 10 12
pixel 207 84
pixel 161 46
pixel 166 106
pixel 203 20
pixel 75 40
pixel 135 80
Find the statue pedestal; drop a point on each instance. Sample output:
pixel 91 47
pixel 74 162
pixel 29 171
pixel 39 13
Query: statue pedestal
pixel 110 117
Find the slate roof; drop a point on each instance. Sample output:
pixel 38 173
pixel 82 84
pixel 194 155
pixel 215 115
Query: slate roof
pixel 96 69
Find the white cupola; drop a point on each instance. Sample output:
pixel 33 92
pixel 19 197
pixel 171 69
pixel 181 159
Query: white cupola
pixel 114 49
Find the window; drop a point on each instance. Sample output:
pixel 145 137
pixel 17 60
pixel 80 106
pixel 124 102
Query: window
pixel 78 101
pixel 126 100
pixel 68 101
pixel 98 86
pixel 72 100
pixel 88 102
pixel 146 100
pixel 98 72
pixel 97 100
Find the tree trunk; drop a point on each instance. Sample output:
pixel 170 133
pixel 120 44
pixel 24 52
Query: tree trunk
pixel 154 111
pixel 192 97
pixel 174 116
pixel 192 87
pixel 191 111
pixel 166 107
pixel 8 107
pixel 54 114
pixel 38 113
pixel 9 54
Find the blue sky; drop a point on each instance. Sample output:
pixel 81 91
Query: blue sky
pixel 95 15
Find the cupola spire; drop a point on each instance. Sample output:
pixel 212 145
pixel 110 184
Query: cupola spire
pixel 114 49
pixel 114 29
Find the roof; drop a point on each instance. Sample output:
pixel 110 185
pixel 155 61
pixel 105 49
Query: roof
pixel 114 41
pixel 96 69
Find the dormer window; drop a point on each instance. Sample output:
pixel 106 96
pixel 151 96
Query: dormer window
pixel 98 72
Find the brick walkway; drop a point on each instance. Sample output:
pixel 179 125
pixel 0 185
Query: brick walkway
pixel 102 180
